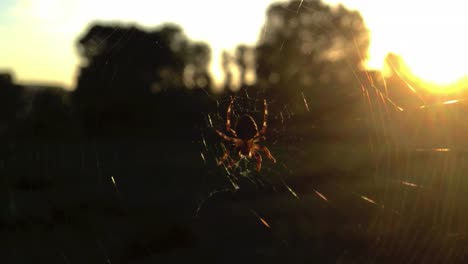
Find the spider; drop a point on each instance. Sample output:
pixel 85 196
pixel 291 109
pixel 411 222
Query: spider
pixel 245 138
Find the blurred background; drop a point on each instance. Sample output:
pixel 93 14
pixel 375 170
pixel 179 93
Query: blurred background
pixel 108 113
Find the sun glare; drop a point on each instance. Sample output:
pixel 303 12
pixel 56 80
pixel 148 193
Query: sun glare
pixel 439 60
pixel 428 35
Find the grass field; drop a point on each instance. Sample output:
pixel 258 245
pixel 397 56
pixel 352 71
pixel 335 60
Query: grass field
pixel 136 202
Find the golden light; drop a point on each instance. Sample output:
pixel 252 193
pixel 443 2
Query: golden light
pixel 428 35
pixel 451 102
pixel 321 196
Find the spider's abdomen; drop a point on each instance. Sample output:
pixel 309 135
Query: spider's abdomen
pixel 246 127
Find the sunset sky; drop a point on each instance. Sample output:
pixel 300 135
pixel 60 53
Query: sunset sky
pixel 39 36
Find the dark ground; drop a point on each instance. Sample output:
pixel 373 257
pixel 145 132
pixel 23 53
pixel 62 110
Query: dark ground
pixel 392 205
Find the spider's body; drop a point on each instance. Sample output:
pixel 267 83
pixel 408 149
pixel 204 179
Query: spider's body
pixel 246 128
pixel 245 138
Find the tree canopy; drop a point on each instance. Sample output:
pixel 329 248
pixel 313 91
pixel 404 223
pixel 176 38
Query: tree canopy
pixel 308 47
pixel 124 67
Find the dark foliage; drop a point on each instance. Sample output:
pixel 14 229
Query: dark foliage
pixel 130 76
pixel 314 50
pixel 11 101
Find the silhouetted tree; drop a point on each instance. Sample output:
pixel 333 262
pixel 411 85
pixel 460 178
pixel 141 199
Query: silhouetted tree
pixel 225 64
pixel 241 62
pixel 312 50
pixel 245 60
pixel 50 116
pixel 125 67
pixel 196 70
pixel 11 102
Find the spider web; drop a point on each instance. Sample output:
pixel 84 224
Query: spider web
pixel 396 184
pixel 401 187
pixel 243 173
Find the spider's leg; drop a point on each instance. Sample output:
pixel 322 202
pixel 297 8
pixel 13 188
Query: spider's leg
pixel 223 158
pixel 259 139
pixel 258 157
pixel 232 162
pixel 228 118
pixel 265 118
pixel 267 152
pixel 226 137
pixel 227 161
